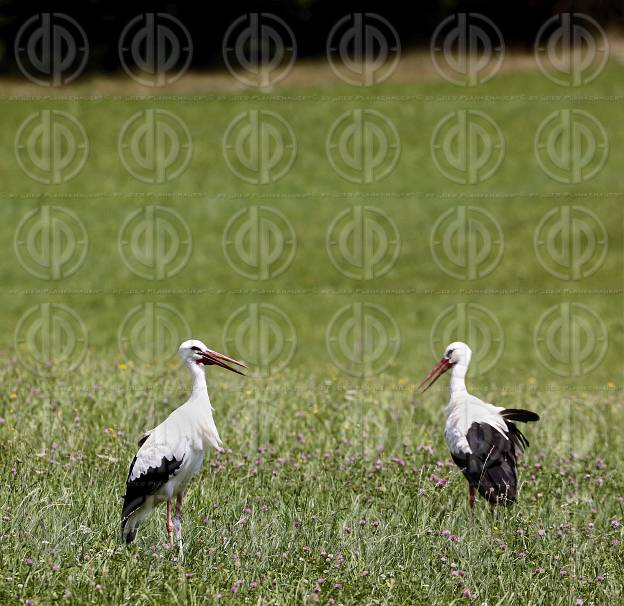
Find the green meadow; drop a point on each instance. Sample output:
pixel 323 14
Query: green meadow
pixel 335 485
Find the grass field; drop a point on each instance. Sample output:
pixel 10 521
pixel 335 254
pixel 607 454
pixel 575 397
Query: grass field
pixel 332 488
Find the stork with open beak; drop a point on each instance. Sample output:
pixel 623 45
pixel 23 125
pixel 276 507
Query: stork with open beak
pixel 483 439
pixel 172 453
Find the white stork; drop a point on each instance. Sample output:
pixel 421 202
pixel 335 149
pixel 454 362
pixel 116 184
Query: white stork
pixel 483 440
pixel 172 453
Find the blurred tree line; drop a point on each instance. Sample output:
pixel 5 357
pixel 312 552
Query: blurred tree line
pixel 310 20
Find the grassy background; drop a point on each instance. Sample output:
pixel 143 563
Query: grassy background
pixel 344 479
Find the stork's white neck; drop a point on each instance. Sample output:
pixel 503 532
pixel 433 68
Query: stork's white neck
pixel 458 374
pixel 198 378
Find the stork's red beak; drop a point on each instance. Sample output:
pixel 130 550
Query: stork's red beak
pixel 436 372
pixel 213 358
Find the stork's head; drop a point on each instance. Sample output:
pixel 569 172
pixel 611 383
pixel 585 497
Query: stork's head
pixel 456 353
pixel 196 352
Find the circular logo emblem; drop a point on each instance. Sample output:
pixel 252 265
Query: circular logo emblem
pixel 259 147
pixel 571 49
pixel 50 340
pixel 363 146
pixel 51 146
pixel 467 49
pixel 571 146
pixel 363 49
pixel 155 242
pixel 259 243
pixel 570 242
pixel 474 324
pixel 362 339
pixel 155 49
pixel 363 243
pixel 51 49
pixel 149 336
pixel 262 335
pixel 259 49
pixel 51 243
pixel 467 243
pixel 570 339
pixel 155 146
pixel 467 146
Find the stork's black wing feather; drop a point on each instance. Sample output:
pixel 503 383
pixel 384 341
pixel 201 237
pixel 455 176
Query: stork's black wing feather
pixel 492 467
pixel 142 441
pixel 519 414
pixel 138 489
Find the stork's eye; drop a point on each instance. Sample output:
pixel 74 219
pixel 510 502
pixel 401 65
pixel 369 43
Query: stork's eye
pixel 449 353
pixel 195 348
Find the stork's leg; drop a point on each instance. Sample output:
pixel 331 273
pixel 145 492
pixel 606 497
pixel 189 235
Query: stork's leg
pixel 471 490
pixel 169 524
pixel 177 523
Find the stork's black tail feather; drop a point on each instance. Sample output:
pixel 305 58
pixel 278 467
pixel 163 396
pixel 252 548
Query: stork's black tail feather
pixel 519 414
